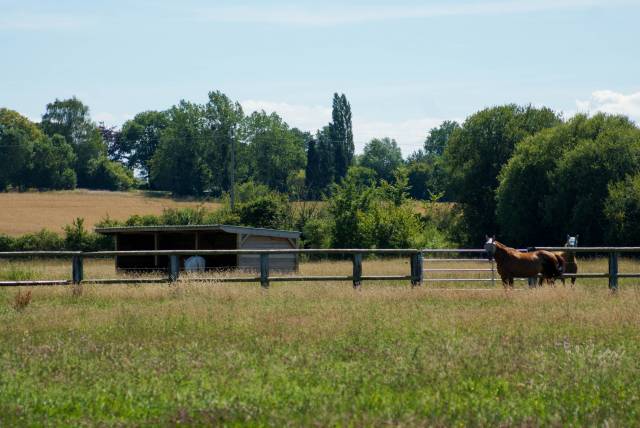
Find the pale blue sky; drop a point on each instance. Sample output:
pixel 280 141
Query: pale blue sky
pixel 404 65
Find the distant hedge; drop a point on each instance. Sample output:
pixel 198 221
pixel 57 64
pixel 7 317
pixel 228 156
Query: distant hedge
pixel 74 238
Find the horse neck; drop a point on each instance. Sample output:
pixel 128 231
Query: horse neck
pixel 501 251
pixel 570 255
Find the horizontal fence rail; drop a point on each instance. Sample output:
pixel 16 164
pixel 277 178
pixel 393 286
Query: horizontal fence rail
pixel 418 259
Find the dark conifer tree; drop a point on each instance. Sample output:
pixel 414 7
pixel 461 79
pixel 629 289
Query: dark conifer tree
pixel 341 135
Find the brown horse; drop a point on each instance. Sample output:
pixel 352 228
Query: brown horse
pixel 511 263
pixel 571 265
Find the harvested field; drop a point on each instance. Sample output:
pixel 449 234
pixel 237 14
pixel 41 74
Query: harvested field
pixel 32 211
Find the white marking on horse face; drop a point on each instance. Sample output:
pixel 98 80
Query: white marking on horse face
pixel 572 241
pixel 490 247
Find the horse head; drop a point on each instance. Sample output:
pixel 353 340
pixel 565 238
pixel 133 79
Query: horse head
pixel 572 241
pixel 490 246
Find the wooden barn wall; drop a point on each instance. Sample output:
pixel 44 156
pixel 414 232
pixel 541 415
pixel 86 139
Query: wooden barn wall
pixel 278 262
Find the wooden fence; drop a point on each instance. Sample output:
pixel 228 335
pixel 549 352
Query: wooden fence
pixel 416 275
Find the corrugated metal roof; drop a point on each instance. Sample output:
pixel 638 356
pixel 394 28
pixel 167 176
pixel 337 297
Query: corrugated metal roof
pixel 201 227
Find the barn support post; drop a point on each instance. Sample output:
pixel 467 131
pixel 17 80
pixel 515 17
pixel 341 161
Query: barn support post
pixel 613 271
pixel 77 270
pixel 357 270
pixel 264 270
pixel 417 272
pixel 174 267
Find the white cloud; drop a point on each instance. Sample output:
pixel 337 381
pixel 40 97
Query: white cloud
pixel 40 21
pixel 409 134
pixel 333 15
pixel 307 118
pixel 612 102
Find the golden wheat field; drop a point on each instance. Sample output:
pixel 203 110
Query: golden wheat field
pixel 32 211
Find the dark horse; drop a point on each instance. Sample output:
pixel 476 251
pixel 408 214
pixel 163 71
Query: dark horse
pixel 571 265
pixel 512 263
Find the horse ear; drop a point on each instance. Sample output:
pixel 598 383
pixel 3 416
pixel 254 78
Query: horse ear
pixel 486 237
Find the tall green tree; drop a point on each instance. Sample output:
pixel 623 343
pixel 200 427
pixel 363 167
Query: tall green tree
pixel 425 168
pixel 28 158
pixel 558 180
pixel 224 120
pixel 476 153
pixel 383 156
pixel 438 138
pixel 17 137
pixel 70 118
pixel 52 163
pixel 275 151
pixel 313 172
pixel 180 163
pixel 140 138
pixel 341 136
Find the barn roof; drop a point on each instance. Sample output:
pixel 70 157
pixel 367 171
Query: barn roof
pixel 201 227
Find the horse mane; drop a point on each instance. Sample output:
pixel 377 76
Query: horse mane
pixel 503 248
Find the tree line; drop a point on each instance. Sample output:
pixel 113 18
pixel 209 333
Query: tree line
pixel 524 173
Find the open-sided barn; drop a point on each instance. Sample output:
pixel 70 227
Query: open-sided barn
pixel 203 237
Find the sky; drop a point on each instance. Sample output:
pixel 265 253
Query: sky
pixel 404 65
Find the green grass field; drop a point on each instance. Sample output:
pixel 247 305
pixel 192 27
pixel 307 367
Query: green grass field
pixel 319 354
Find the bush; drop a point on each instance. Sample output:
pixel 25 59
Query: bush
pixel 109 175
pixel 223 215
pixel 622 211
pixel 43 240
pixel 389 226
pixel 183 216
pixel 271 211
pixel 6 242
pixel 250 190
pixel 143 220
pixel 316 233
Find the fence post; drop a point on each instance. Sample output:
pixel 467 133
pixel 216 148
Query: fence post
pixel 174 267
pixel 531 281
pixel 357 270
pixel 613 271
pixel 77 270
pixel 264 270
pixel 493 274
pixel 417 273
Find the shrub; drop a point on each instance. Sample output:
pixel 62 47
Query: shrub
pixel 223 215
pixel 270 211
pixel 109 175
pixel 6 242
pixel 183 216
pixel 316 233
pixel 622 211
pixel 43 240
pixel 250 190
